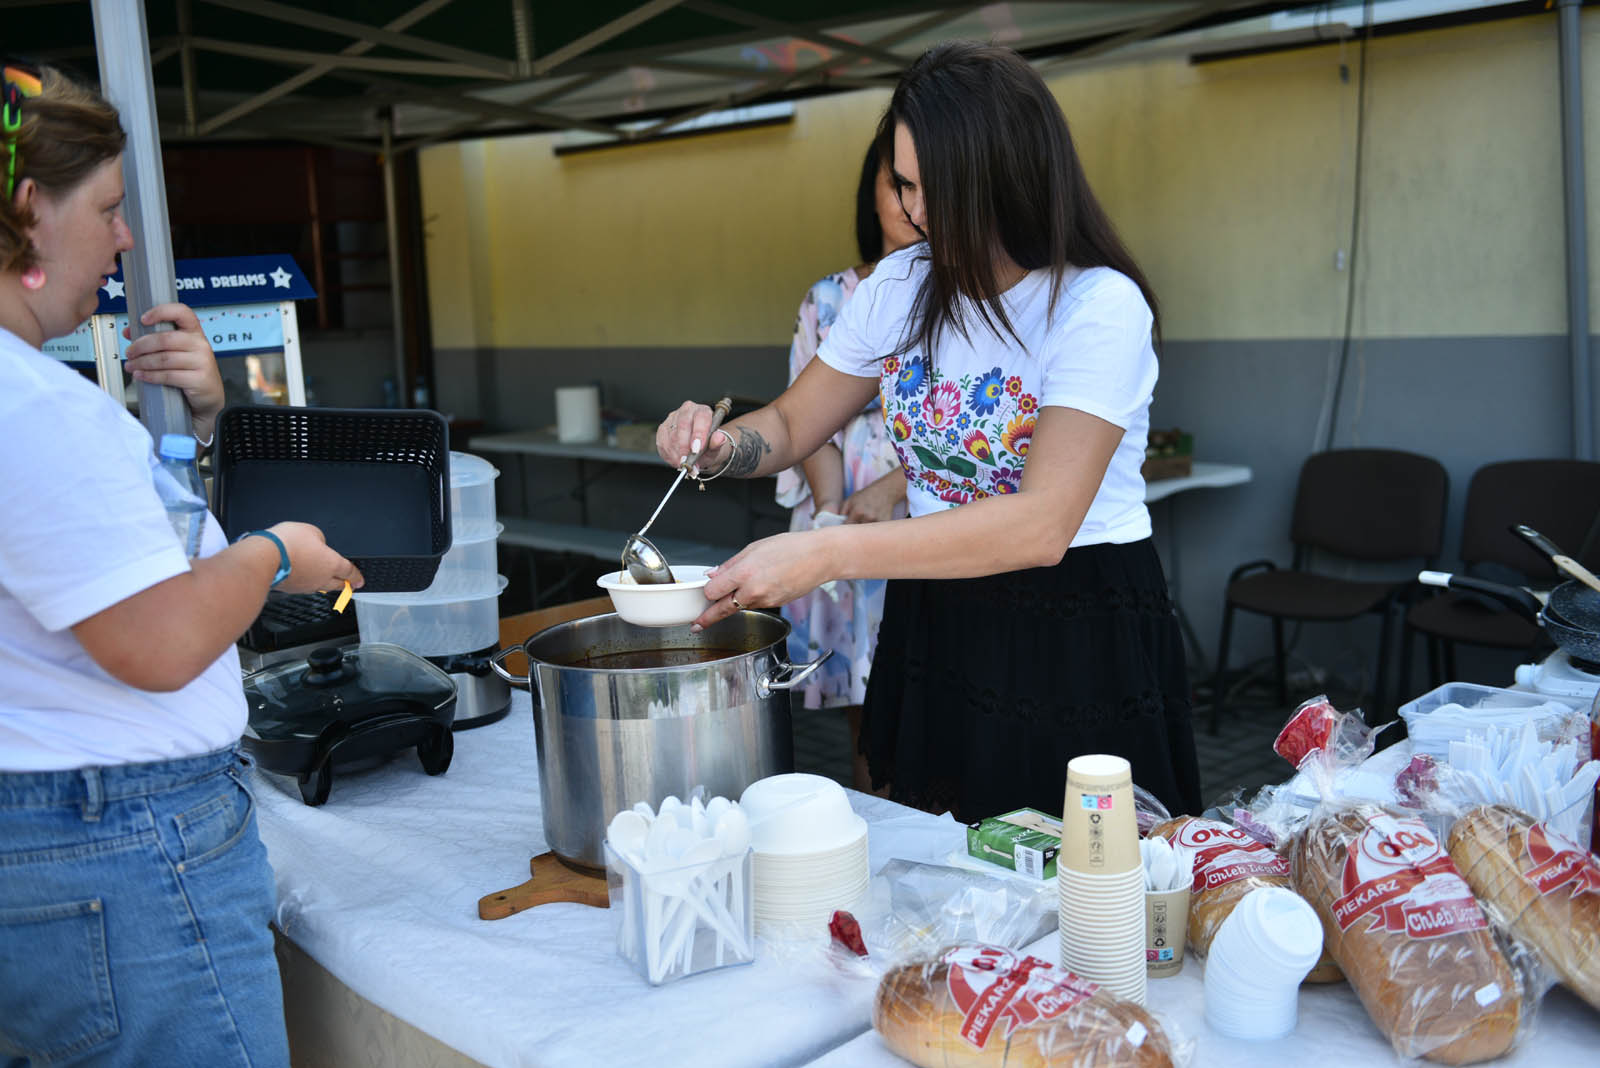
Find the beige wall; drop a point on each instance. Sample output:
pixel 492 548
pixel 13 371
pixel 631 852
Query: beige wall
pixel 1232 182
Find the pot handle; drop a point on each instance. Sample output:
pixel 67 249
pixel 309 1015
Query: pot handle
pixel 494 665
pixel 788 676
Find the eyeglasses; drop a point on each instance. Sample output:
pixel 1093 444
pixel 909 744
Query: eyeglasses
pixel 19 82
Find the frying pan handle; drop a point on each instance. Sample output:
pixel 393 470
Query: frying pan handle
pixel 788 676
pixel 495 665
pixel 1537 540
pixel 1525 603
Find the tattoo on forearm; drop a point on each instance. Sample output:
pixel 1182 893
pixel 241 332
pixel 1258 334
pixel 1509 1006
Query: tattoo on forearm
pixel 748 452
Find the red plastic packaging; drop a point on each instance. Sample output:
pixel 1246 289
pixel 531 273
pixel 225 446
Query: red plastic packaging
pixel 1308 730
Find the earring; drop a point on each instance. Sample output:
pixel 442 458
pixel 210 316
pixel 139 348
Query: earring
pixel 33 277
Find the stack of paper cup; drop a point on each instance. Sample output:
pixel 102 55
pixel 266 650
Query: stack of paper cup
pixel 1101 878
pixel 1260 954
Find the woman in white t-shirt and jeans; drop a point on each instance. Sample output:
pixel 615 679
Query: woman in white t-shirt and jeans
pixel 135 894
pixel 1027 618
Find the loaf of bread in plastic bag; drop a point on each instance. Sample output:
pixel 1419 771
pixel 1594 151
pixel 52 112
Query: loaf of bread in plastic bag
pixel 1228 864
pixel 1539 886
pixel 977 1006
pixel 1408 934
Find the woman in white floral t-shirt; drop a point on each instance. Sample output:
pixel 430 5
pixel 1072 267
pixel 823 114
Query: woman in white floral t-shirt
pixel 1027 619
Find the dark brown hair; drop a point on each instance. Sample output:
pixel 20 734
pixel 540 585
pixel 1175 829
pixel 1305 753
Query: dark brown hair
pixel 67 132
pixel 998 173
pixel 869 229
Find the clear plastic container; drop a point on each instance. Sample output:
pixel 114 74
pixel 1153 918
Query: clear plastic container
pixel 1473 695
pixel 460 614
pixel 1486 705
pixel 681 921
pixel 472 554
pixel 471 492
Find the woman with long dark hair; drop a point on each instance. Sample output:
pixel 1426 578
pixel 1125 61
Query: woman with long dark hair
pixel 855 477
pixel 1028 619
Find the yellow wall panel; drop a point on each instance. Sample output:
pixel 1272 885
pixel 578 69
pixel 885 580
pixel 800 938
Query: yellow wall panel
pixel 710 240
pixel 447 244
pixel 1231 181
pixel 1462 224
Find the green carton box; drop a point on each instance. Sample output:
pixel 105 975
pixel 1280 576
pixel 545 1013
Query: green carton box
pixel 1026 841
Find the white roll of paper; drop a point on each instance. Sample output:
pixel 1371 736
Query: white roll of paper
pixel 578 413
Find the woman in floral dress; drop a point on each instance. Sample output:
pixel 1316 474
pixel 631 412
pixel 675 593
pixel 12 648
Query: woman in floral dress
pixel 855 478
pixel 1027 619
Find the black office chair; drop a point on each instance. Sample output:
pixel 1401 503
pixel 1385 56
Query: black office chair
pixel 1558 498
pixel 1362 504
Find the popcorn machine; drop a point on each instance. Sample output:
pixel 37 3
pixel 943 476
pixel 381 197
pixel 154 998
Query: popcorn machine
pixel 246 307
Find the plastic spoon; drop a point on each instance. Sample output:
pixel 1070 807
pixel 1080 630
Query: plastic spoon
pixel 682 889
pixel 627 833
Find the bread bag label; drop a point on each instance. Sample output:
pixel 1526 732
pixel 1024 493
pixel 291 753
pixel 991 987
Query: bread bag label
pixel 1224 854
pixel 994 988
pixel 1396 873
pixel 1557 862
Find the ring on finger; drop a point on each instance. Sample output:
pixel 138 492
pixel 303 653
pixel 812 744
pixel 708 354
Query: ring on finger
pixel 736 603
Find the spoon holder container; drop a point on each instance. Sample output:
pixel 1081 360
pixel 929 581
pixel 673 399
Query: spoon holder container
pixel 679 921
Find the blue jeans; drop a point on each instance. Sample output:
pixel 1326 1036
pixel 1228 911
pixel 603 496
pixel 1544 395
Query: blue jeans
pixel 134 912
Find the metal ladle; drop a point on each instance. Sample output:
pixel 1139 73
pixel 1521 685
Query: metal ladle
pixel 646 564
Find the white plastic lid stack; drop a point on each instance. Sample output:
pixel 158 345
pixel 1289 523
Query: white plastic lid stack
pixel 1259 957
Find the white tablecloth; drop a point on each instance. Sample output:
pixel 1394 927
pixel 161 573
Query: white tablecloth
pixel 381 886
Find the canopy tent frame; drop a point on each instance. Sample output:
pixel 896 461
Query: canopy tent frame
pixel 414 87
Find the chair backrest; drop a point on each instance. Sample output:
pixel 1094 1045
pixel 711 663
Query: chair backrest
pixel 1371 504
pixel 1558 498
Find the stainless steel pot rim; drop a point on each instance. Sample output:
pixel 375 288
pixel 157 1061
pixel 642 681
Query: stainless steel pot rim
pixel 649 637
pixel 668 669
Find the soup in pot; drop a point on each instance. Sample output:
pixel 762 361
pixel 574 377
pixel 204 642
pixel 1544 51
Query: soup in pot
pixel 634 659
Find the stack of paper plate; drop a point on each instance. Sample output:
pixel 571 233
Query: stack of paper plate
pixel 810 853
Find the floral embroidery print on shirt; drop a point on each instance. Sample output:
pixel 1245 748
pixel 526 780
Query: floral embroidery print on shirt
pixel 963 439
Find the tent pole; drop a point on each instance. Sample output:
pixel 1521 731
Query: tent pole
pixel 123 45
pixel 1571 47
pixel 391 215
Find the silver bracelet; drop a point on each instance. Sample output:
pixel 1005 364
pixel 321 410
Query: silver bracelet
pixel 720 472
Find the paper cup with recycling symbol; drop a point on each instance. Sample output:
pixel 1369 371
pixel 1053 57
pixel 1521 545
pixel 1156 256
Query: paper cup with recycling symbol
pixel 1099 834
pixel 1166 925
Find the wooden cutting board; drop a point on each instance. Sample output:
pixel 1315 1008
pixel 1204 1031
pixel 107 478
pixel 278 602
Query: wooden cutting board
pixel 552 881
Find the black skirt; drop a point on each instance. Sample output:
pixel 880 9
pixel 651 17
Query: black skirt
pixel 982 689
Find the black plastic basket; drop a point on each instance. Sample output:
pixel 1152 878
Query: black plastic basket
pixel 377 481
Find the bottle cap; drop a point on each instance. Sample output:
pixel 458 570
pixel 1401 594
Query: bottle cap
pixel 177 447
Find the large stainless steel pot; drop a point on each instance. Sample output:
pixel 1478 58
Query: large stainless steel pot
pixel 610 737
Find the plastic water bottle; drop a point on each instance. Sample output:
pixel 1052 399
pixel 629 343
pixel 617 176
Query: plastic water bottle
pixel 182 491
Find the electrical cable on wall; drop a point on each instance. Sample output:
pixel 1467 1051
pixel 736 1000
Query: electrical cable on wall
pixel 1355 234
pixel 1341 196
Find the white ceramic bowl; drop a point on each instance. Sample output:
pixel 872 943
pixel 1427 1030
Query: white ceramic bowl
pixel 667 604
